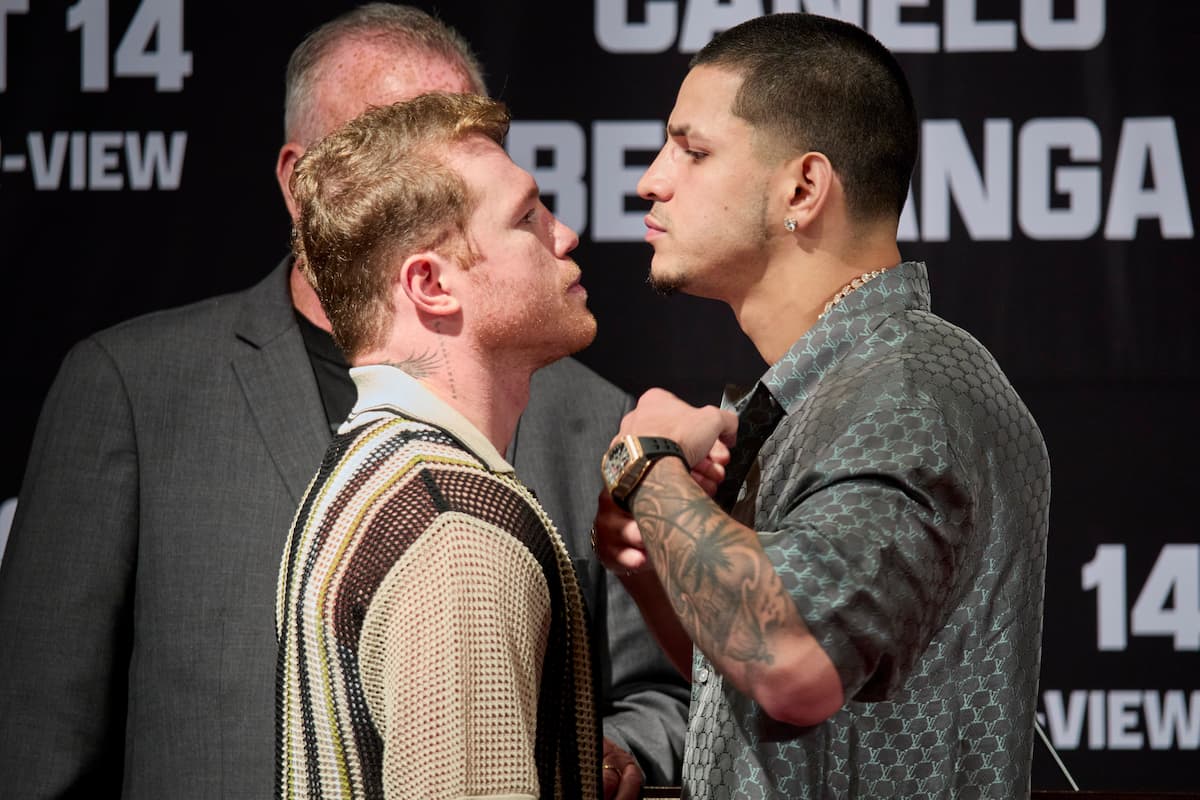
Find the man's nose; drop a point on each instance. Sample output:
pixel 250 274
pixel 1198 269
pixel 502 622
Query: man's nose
pixel 565 239
pixel 653 185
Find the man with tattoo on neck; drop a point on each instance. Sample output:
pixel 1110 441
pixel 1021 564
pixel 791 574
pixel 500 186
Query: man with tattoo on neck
pixel 169 460
pixel 433 639
pixel 864 589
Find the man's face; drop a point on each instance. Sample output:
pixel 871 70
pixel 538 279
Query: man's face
pixel 708 224
pixel 525 301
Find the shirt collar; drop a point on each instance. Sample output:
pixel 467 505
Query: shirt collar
pixel 384 391
pixel 793 377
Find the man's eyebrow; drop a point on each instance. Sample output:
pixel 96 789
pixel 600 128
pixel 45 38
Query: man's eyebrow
pixel 682 129
pixel 531 195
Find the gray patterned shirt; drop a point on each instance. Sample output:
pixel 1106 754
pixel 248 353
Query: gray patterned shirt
pixel 903 498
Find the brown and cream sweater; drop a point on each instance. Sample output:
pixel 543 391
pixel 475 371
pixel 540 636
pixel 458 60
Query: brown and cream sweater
pixel 432 638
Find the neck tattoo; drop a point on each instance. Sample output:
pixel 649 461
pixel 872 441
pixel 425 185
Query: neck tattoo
pixel 853 285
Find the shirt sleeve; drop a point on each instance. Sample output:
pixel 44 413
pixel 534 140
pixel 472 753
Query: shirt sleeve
pixel 451 658
pixel 873 544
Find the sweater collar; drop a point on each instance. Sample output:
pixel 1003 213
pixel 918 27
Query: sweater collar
pixel 385 391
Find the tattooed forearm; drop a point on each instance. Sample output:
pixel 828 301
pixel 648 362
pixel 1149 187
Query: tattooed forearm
pixel 723 587
pixel 419 365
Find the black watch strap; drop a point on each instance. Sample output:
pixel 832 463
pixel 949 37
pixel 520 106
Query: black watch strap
pixel 628 461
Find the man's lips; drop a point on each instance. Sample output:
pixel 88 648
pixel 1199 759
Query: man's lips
pixel 653 225
pixel 653 228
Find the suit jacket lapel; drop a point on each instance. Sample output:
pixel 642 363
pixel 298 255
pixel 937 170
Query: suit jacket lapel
pixel 277 379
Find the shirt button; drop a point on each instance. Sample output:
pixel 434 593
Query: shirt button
pixel 702 675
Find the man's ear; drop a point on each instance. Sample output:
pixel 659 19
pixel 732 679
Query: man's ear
pixel 285 165
pixel 809 183
pixel 428 280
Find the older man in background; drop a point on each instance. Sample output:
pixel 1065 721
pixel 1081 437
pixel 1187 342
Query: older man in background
pixel 137 590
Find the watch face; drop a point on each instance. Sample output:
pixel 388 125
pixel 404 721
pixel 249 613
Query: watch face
pixel 615 463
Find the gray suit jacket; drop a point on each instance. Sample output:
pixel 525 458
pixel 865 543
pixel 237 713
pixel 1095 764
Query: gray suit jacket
pixel 137 649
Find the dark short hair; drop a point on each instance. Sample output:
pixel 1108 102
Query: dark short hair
pixel 377 190
pixel 812 83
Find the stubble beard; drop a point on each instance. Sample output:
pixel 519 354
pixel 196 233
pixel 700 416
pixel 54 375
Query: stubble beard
pixel 542 335
pixel 668 281
pixel 578 333
pixel 677 280
pixel 666 285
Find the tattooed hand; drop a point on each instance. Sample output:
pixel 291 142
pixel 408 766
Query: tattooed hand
pixel 615 536
pixel 704 433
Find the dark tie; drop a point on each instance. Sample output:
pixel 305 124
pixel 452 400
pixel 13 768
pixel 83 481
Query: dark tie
pixel 757 418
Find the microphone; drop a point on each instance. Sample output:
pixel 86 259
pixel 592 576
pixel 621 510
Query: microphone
pixel 1061 766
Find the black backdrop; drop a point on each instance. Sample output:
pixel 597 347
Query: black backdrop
pixel 1053 202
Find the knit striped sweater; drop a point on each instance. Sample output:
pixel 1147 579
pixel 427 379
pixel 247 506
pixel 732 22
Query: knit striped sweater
pixel 432 639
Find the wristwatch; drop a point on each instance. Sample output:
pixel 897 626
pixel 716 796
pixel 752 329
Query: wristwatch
pixel 628 461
